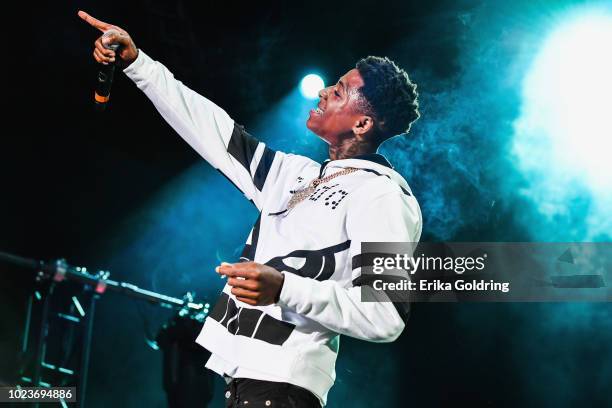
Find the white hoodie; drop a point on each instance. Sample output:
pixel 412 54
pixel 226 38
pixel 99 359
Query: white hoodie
pixel 316 245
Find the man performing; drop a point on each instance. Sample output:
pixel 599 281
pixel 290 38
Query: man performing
pixel 274 333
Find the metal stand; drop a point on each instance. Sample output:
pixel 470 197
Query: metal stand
pixel 47 370
pixel 43 312
pixel 41 347
pixel 86 345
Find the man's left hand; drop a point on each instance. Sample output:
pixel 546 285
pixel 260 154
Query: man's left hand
pixel 253 283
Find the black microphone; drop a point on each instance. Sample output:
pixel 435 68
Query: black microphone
pixel 105 79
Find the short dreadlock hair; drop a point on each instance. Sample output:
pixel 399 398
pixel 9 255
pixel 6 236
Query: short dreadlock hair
pixel 390 96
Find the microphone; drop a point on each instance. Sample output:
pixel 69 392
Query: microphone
pixel 105 78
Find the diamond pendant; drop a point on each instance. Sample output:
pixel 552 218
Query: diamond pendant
pixel 300 196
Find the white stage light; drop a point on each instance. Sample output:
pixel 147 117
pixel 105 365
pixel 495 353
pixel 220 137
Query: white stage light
pixel 568 99
pixel 311 85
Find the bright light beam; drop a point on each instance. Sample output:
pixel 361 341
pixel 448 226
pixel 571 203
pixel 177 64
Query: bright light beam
pixel 569 94
pixel 564 133
pixel 311 85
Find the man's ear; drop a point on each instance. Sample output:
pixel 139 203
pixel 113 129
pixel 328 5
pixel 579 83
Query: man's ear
pixel 363 125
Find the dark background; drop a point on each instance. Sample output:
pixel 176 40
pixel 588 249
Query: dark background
pixel 121 191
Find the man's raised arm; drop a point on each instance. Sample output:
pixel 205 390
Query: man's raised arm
pixel 249 164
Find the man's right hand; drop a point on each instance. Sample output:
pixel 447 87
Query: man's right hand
pixel 127 52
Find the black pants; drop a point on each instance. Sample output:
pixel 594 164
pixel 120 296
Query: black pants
pixel 248 393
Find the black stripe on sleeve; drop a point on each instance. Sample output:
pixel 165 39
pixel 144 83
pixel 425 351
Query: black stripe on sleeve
pixel 243 321
pixel 263 168
pixel 247 321
pixel 319 264
pixel 242 146
pixel 273 331
pixel 219 310
pixel 232 311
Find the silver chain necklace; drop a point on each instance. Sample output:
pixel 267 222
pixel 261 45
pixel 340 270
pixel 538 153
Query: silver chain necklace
pixel 300 195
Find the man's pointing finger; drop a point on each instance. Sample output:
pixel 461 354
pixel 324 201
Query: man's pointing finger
pixel 94 22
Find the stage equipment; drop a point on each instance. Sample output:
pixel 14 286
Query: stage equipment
pixel 62 308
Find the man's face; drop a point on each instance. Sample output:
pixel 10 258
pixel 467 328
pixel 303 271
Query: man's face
pixel 338 109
